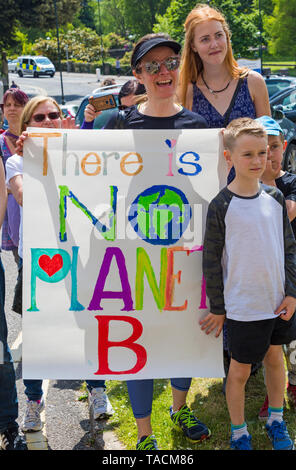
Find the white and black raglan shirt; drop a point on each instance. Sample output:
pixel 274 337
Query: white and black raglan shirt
pixel 249 254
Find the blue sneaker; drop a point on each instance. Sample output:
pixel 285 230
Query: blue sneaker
pixel 279 436
pixel 243 443
pixel 192 428
pixel 147 443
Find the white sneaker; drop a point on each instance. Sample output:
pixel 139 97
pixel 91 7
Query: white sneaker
pixel 99 403
pixel 32 421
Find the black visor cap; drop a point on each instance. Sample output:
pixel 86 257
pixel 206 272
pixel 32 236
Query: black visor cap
pixel 146 46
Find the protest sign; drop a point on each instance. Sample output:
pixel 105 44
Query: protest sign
pixel 113 233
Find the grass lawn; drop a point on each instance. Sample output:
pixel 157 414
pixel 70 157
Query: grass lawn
pixel 207 401
pixel 279 65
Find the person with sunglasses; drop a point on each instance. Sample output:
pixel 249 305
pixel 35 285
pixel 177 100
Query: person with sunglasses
pixel 44 112
pixel 155 61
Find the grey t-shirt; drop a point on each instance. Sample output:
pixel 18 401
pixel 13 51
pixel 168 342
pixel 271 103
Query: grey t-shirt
pixel 249 254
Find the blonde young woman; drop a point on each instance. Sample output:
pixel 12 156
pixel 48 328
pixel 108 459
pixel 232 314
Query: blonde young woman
pixel 210 77
pixel 213 85
pixel 43 111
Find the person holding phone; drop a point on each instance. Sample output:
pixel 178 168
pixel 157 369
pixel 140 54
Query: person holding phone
pixel 155 62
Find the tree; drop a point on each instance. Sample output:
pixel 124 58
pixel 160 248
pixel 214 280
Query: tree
pixel 86 15
pixel 41 13
pixel 282 28
pixel 30 13
pixel 82 44
pixel 241 15
pixel 141 16
pixel 128 17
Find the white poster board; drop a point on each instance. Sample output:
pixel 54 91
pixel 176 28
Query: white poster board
pixel 113 233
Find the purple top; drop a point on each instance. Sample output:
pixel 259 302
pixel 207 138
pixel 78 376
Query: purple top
pixel 11 223
pixel 242 107
pixel 87 125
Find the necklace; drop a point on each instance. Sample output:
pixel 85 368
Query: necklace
pixel 10 134
pixel 214 91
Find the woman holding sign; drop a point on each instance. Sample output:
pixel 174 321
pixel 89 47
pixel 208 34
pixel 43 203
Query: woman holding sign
pixel 44 112
pixel 155 61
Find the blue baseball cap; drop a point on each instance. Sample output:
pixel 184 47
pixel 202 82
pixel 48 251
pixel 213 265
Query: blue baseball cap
pixel 270 125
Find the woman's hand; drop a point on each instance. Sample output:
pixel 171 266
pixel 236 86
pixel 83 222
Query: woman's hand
pixel 90 113
pixel 69 123
pixel 19 146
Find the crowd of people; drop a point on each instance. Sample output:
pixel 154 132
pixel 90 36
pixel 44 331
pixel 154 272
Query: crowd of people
pixel 253 304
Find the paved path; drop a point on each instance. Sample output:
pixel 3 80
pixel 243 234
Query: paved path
pixel 66 423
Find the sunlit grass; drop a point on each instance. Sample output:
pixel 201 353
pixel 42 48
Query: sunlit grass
pixel 209 405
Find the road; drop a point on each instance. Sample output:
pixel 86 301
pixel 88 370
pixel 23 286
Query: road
pixel 66 418
pixel 75 85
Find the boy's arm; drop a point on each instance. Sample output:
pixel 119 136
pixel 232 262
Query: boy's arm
pixel 291 209
pixel 290 256
pixel 291 200
pixel 214 241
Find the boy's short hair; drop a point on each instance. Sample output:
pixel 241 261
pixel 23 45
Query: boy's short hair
pixel 271 126
pixel 242 126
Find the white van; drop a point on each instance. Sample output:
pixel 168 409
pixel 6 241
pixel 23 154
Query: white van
pixel 35 66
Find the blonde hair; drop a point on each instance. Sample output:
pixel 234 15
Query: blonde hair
pixel 191 63
pixel 239 127
pixel 30 107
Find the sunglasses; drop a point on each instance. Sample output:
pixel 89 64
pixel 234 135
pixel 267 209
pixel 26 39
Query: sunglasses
pixel 171 63
pixel 40 117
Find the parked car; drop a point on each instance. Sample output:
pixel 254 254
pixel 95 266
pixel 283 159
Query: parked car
pixel 103 118
pixel 35 66
pixel 289 130
pixel 285 101
pixel 12 66
pixel 69 110
pixel 277 83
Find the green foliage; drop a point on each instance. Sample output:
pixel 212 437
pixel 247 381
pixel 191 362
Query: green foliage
pixel 113 41
pixel 282 28
pixel 41 13
pixel 208 403
pixel 32 14
pixel 82 43
pixel 141 16
pixel 25 46
pixel 242 17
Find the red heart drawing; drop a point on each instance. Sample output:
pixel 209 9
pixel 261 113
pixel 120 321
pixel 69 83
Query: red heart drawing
pixel 51 265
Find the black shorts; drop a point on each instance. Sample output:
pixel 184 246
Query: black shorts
pixel 248 342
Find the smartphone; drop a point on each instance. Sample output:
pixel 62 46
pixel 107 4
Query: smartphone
pixel 103 102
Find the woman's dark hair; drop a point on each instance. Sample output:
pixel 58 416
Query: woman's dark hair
pixel 17 95
pixel 132 87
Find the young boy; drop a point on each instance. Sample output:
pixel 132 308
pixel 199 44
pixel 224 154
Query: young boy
pixel 286 183
pixel 249 263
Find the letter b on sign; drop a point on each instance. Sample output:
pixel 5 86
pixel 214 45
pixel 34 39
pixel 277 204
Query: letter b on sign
pixel 105 344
